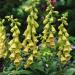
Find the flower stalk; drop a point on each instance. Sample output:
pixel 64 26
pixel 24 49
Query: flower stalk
pixel 14 44
pixel 3 48
pixel 30 41
pixel 63 41
pixel 48 39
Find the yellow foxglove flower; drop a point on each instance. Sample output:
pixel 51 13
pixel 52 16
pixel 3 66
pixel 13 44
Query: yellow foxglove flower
pixel 13 46
pixel 10 43
pixel 48 40
pixel 28 37
pixel 66 34
pixel 32 13
pixel 61 27
pixel 34 39
pixel 45 21
pixel 28 18
pixel 51 19
pixel 45 30
pixel 59 54
pixel 60 33
pixel 64 38
pixel 52 40
pixel 24 43
pixel 52 44
pixel 5 54
pixel 68 43
pixel 12 56
pixel 59 40
pixel 3 37
pixel 36 25
pixel 51 36
pixel 26 32
pixel 16 62
pixel 35 16
pixel 30 59
pixel 16 39
pixel 26 49
pixel 35 52
pixel 53 29
pixel 67 55
pixel 17 51
pixel 66 50
pixel 15 34
pixel 64 30
pixel 31 44
pixel 45 37
pixel 28 27
pixel 1 44
pixel 63 59
pixel 47 26
pixel 28 64
pixel 33 30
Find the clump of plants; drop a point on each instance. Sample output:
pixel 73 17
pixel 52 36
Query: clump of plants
pixel 48 54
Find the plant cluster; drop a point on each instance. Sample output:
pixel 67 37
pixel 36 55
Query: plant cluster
pixel 41 55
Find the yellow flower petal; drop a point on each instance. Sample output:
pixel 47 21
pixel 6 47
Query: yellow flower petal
pixel 53 29
pixel 51 35
pixel 31 44
pixel 63 59
pixel 30 59
pixel 12 56
pixel 33 30
pixel 64 38
pixel 60 33
pixel 16 62
pixel 47 26
pixel 26 49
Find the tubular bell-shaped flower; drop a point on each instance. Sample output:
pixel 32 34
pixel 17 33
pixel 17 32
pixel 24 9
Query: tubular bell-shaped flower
pixel 14 44
pixel 30 41
pixel 63 42
pixel 3 51
pixel 49 30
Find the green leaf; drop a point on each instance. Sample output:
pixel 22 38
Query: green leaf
pixel 53 65
pixel 70 71
pixel 14 72
pixel 38 66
